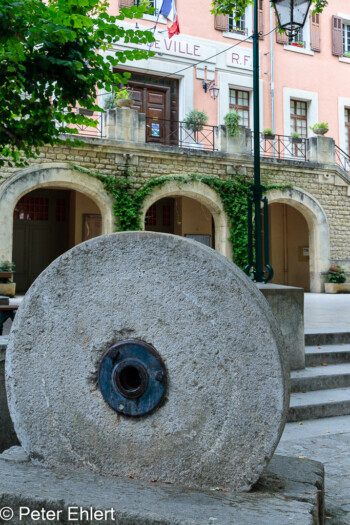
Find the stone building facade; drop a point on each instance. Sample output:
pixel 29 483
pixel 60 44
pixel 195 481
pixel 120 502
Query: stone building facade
pixel 310 211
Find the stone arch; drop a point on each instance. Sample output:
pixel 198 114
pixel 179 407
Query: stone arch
pixel 202 193
pixel 56 175
pixel 317 222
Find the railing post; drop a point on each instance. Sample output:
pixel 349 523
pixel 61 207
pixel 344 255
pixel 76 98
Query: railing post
pixel 321 150
pixel 124 124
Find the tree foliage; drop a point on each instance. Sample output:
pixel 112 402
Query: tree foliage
pixel 53 57
pixel 226 7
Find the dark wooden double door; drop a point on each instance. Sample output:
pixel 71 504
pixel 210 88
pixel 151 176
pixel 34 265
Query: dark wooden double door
pixel 40 233
pixel 158 99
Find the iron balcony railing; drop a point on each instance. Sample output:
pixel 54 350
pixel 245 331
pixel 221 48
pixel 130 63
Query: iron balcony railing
pixel 342 159
pixel 282 147
pixel 89 131
pixel 176 133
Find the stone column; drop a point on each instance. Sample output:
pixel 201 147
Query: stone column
pixel 320 149
pixel 124 124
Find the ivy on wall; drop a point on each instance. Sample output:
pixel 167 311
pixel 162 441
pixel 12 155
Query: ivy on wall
pixel 233 193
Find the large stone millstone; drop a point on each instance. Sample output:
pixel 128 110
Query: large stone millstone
pixel 226 398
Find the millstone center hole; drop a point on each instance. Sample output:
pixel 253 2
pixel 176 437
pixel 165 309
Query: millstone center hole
pixel 130 378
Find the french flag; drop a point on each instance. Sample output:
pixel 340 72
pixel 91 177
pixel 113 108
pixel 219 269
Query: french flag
pixel 168 10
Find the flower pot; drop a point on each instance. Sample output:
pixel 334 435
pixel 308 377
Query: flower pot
pixel 296 44
pixel 268 136
pixel 320 131
pixel 125 102
pixel 337 287
pixel 296 140
pixel 8 289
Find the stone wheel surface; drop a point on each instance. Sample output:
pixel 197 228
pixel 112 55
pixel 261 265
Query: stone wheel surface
pixel 226 398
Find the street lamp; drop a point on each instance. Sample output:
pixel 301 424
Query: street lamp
pixel 291 15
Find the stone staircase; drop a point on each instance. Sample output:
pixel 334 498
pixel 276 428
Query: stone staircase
pixel 322 389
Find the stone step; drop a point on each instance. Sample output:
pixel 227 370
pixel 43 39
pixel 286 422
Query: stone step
pixel 327 338
pixel 320 378
pixel 330 354
pixel 318 404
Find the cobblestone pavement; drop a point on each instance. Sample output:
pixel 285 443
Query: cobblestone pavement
pixel 328 441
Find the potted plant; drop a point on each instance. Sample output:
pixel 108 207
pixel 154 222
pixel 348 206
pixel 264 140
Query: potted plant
pixel 296 139
pixel 231 120
pixel 124 99
pixel 297 44
pixel 336 280
pixel 109 101
pixel 195 121
pixel 346 54
pixel 268 134
pixel 320 128
pixel 7 286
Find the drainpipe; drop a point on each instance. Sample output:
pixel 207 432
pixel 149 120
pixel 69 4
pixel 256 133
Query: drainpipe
pixel 272 80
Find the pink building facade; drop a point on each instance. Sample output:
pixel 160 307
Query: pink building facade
pixel 302 82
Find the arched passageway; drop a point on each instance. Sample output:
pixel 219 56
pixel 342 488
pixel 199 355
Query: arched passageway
pixel 46 210
pixel 289 246
pixel 182 216
pixel 299 228
pixel 195 211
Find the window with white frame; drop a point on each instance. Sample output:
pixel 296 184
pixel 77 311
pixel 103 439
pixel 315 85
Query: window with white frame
pixel 297 38
pixel 156 4
pixel 237 25
pixel 347 129
pixel 298 117
pixel 239 102
pixel 346 38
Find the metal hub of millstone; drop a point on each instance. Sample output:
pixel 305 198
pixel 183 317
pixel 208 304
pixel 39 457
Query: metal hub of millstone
pixel 132 378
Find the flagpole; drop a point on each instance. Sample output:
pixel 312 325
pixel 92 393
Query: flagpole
pixel 155 27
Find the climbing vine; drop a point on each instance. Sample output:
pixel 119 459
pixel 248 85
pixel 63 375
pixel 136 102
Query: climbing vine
pixel 233 193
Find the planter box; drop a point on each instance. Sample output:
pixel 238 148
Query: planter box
pixel 296 140
pixel 85 112
pixel 125 103
pixel 5 275
pixel 268 137
pixel 320 131
pixel 8 289
pixel 337 287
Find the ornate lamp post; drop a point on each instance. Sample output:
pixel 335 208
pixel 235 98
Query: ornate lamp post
pixel 291 15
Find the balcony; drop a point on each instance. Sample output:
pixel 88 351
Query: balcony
pixel 130 126
pixel 176 133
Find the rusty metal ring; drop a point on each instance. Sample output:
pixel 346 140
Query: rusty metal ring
pixel 132 378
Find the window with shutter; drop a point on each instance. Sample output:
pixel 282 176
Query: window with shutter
pixel 337 31
pixel 315 33
pixel 221 22
pixel 126 3
pixel 281 38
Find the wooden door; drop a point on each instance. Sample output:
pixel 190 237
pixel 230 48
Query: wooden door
pixel 156 116
pixel 40 233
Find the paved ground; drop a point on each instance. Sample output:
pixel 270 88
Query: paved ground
pixel 327 312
